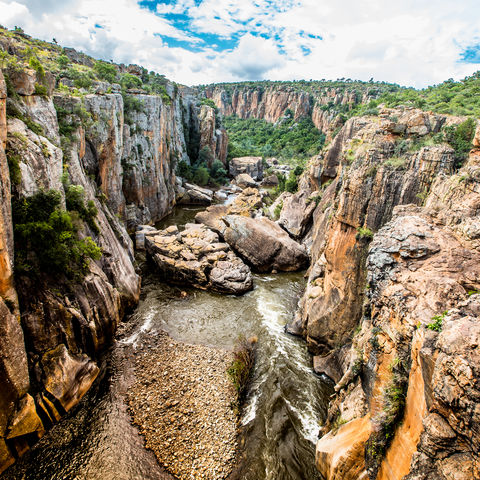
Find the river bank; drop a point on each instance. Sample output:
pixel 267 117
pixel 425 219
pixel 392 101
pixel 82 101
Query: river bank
pixel 182 403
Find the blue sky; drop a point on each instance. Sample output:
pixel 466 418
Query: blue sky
pixel 411 42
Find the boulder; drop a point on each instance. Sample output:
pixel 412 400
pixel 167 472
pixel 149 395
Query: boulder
pixel 296 213
pixel 140 233
pixel 212 217
pixel 68 376
pixel 246 204
pixel 264 244
pixel 197 257
pixel 270 181
pixel 251 165
pixel 195 195
pixel 244 180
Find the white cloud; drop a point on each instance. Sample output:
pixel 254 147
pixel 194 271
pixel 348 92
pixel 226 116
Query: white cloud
pixel 411 42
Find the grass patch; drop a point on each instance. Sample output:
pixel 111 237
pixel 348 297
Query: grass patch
pixel 437 322
pixel 364 233
pixel 241 368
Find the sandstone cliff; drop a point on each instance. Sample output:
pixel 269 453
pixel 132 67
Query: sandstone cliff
pixel 323 103
pixel 120 151
pixel 394 245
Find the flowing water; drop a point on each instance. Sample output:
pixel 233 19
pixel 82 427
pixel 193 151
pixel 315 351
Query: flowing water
pixel 282 414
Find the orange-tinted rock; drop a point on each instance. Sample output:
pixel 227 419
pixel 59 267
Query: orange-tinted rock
pixel 340 455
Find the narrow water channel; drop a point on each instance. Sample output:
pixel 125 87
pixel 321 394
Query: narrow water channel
pixel 282 414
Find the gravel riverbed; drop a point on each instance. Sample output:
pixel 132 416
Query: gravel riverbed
pixel 182 403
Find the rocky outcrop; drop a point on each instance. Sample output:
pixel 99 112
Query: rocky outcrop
pixel 246 203
pixel 196 257
pixel 195 195
pixel 406 396
pixel 269 104
pixel 250 165
pixel 263 244
pixel 323 104
pixel 121 152
pixel 363 179
pixel 213 138
pixel 244 180
pixel 296 212
pixel 7 290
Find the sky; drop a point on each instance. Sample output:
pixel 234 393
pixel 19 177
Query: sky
pixel 409 42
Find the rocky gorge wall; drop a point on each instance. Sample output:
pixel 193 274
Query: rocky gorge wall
pixel 270 103
pixel 391 305
pixel 53 328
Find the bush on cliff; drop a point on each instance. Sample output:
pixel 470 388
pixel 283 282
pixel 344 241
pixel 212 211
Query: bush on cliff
pixel 460 138
pixel 47 238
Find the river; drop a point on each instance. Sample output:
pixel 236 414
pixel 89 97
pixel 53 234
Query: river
pixel 282 414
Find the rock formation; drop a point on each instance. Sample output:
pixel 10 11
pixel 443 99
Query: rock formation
pixel 196 257
pixel 323 104
pixel 250 165
pixel 119 153
pixel 404 380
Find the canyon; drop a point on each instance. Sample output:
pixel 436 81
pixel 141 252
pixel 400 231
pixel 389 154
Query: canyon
pixel 385 220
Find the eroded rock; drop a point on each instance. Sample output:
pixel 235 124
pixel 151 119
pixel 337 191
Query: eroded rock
pixel 249 165
pixel 196 257
pixel 264 244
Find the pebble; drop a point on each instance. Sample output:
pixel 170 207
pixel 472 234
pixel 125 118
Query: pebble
pixel 181 401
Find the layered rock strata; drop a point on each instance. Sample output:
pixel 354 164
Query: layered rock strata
pixel 196 257
pixel 407 277
pixel 271 104
pixel 121 153
pixel 360 179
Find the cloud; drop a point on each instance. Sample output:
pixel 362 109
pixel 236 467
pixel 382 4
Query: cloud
pixel 411 42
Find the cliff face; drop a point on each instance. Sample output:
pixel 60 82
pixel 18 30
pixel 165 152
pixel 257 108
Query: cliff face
pixel 270 103
pixel 121 151
pixel 406 377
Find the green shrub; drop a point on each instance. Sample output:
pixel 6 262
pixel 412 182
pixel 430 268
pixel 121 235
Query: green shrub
pixel 46 238
pixel 201 176
pixel 437 322
pixel 460 138
pixel 105 71
pixel 128 80
pixel 217 173
pixel 75 201
pixel 277 211
pixel 364 233
pixel 34 63
pixel 397 163
pixel 63 61
pixel 210 103
pixel 291 185
pixel 40 90
pixel 184 170
pixel 13 160
pixel 205 155
pixel 241 368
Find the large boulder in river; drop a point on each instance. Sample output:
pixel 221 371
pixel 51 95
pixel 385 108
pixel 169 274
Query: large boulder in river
pixel 264 244
pixel 195 195
pixel 251 165
pixel 197 257
pixel 247 204
pixel 244 180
